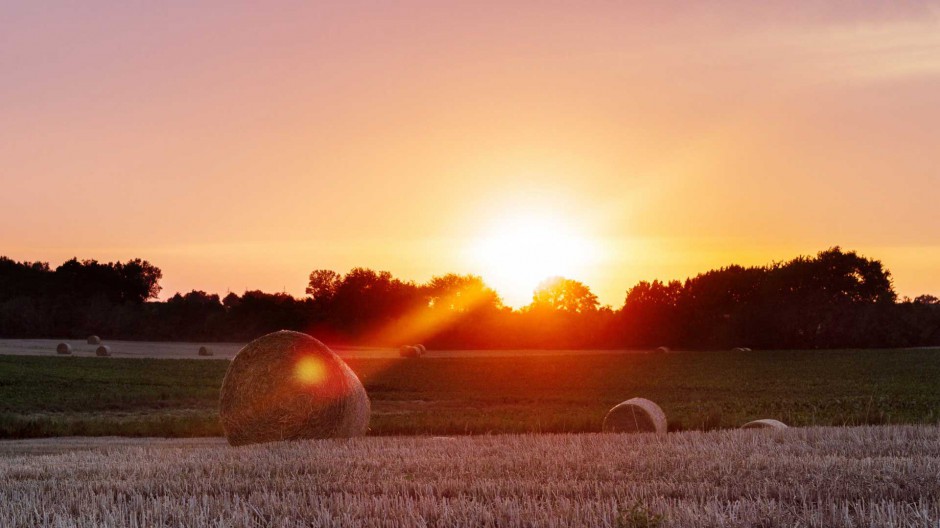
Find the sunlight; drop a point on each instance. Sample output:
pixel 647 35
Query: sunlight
pixel 519 251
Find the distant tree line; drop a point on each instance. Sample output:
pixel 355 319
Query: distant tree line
pixel 832 300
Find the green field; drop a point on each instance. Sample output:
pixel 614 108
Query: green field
pixel 53 396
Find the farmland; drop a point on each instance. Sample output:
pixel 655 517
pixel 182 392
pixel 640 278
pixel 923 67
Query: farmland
pixel 479 394
pixel 817 477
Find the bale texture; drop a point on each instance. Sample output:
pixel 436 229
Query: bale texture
pixel 63 348
pixel 422 349
pixel 662 349
pixel 636 415
pixel 408 351
pixel 103 351
pixel 289 386
pixel 203 351
pixel 94 340
pixel 766 423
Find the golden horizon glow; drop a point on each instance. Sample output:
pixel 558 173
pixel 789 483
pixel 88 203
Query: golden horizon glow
pixel 519 251
pixel 239 146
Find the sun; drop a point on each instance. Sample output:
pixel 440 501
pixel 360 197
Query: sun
pixel 519 251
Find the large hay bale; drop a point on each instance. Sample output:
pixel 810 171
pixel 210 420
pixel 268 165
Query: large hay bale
pixel 63 348
pixel 663 349
pixel 636 415
pixel 766 423
pixel 203 351
pixel 288 386
pixel 103 351
pixel 94 340
pixel 408 351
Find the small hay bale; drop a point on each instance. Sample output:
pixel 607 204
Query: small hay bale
pixel 740 349
pixel 203 351
pixel 94 340
pixel 289 386
pixel 636 415
pixel 663 349
pixel 422 349
pixel 766 423
pixel 103 351
pixel 408 351
pixel 63 348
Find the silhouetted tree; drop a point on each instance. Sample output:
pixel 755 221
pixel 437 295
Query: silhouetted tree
pixel 559 293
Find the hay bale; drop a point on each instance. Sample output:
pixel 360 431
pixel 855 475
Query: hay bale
pixel 408 351
pixel 103 351
pixel 740 349
pixel 288 386
pixel 63 348
pixel 422 350
pixel 203 351
pixel 94 340
pixel 766 423
pixel 663 349
pixel 636 415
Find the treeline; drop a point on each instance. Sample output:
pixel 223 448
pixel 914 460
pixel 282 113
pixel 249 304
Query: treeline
pixel 832 300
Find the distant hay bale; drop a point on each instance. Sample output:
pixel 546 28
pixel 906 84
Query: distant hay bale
pixel 422 349
pixel 408 351
pixel 766 423
pixel 663 349
pixel 63 348
pixel 103 351
pixel 203 351
pixel 636 415
pixel 740 349
pixel 289 386
pixel 94 340
pixel 746 349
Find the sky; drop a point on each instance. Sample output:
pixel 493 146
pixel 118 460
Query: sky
pixel 240 145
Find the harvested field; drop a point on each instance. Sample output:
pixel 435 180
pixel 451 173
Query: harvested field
pixel 814 477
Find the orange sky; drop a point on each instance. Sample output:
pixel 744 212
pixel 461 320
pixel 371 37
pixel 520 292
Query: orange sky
pixel 239 146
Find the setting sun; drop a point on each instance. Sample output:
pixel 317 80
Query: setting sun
pixel 519 251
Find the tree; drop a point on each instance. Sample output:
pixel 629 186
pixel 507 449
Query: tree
pixel 461 293
pixel 561 294
pixel 323 284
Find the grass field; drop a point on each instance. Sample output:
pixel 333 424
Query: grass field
pixel 56 396
pixel 815 477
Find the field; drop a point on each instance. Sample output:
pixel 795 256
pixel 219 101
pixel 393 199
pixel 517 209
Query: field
pixel 815 477
pixel 479 394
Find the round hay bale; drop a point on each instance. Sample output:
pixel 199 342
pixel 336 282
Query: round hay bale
pixel 766 423
pixel 103 351
pixel 288 386
pixel 63 348
pixel 739 349
pixel 636 415
pixel 422 349
pixel 408 351
pixel 94 340
pixel 663 349
pixel 203 351
pixel 746 349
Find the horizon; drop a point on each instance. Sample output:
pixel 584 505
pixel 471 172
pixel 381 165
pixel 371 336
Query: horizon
pixel 239 149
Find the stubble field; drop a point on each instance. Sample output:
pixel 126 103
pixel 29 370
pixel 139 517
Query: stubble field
pixel 815 477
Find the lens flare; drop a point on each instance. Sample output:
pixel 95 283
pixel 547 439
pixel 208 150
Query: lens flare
pixel 310 371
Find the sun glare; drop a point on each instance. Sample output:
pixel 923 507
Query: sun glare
pixel 520 251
